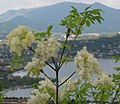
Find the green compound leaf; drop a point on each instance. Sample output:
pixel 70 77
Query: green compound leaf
pixel 88 8
pixel 88 23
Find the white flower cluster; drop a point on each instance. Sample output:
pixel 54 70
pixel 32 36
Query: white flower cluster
pixel 104 79
pixel 47 48
pixel 35 66
pixel 20 38
pixel 45 91
pixel 87 65
pixel 44 84
pixel 69 86
pixel 39 98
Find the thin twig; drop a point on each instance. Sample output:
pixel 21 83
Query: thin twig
pixel 54 62
pixel 67 35
pixel 57 86
pixel 30 48
pixel 67 79
pixel 50 66
pixel 72 45
pixel 62 52
pixel 69 50
pixel 48 77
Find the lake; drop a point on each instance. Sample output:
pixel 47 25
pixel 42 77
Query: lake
pixel 105 64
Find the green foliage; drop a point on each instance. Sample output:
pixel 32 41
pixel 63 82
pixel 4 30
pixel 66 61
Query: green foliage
pixel 49 30
pixel 75 21
pixel 67 46
pixel 116 79
pixel 116 58
pixel 34 71
pixel 16 60
pixel 82 93
pixel 1 95
pixel 42 35
pixel 66 59
pixel 103 93
pixel 79 95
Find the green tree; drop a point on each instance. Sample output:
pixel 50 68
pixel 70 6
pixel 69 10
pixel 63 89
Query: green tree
pixel 1 94
pixel 45 51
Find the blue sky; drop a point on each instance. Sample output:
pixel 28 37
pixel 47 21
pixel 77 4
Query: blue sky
pixel 17 4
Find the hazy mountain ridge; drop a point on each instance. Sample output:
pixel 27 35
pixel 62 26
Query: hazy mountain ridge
pixel 39 18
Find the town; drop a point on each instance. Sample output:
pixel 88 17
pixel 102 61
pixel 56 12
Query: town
pixel 100 46
pixel 105 46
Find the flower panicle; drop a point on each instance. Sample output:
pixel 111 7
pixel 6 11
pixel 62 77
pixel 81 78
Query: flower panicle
pixel 20 38
pixel 87 64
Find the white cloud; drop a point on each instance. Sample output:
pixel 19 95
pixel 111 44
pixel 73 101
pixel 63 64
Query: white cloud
pixel 17 4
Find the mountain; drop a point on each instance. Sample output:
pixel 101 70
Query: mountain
pixel 39 18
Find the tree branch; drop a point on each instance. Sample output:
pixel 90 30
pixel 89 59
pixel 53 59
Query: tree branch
pixel 30 48
pixel 54 62
pixel 69 50
pixel 48 77
pixel 72 45
pixel 67 35
pixel 50 66
pixel 67 79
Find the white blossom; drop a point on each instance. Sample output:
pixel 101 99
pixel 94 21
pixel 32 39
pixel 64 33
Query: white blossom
pixel 46 89
pixel 104 79
pixel 39 98
pixel 35 66
pixel 47 48
pixel 46 83
pixel 87 65
pixel 20 38
pixel 69 86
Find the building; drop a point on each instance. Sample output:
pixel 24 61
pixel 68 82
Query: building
pixel 15 100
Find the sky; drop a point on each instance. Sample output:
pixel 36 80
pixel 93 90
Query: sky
pixel 6 5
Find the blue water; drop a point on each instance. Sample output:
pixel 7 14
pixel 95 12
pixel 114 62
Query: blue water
pixel 105 64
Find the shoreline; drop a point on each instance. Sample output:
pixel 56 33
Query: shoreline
pixel 15 88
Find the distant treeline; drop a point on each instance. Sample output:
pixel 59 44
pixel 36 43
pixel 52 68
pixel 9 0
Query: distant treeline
pixel 105 47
